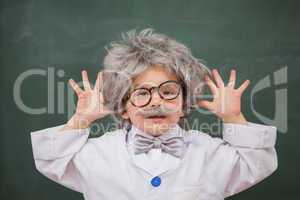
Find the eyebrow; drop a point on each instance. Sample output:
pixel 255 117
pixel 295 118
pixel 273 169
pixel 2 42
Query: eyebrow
pixel 142 85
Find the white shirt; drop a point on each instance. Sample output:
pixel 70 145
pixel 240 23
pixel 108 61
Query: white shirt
pixel 104 169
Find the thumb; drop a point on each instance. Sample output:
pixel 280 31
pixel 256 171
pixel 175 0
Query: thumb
pixel 206 104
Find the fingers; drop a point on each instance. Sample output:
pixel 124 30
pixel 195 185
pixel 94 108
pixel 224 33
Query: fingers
pixel 85 79
pixel 218 78
pixel 232 78
pixel 98 81
pixel 75 87
pixel 243 87
pixel 213 88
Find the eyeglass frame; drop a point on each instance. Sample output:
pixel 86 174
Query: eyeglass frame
pixel 150 91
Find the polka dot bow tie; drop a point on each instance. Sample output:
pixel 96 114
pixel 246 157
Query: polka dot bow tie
pixel 169 143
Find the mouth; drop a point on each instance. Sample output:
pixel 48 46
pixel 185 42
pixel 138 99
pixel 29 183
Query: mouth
pixel 157 117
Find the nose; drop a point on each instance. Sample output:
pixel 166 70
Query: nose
pixel 156 100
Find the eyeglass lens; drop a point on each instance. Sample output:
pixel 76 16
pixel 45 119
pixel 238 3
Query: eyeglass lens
pixel 167 90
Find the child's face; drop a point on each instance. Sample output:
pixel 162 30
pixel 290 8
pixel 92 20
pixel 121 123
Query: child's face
pixel 153 77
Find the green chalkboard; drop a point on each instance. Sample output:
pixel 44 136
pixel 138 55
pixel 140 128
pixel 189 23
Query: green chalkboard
pixel 55 40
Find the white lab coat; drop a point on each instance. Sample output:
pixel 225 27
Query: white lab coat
pixel 104 169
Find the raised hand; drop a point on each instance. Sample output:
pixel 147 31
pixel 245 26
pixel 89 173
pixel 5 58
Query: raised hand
pixel 90 105
pixel 226 102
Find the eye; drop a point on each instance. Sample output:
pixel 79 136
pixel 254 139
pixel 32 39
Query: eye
pixel 167 92
pixel 142 93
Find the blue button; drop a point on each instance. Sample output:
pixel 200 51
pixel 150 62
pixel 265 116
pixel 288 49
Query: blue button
pixel 156 181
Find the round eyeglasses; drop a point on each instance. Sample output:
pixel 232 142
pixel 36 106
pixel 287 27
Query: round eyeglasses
pixel 168 90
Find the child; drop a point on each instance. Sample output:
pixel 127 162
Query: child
pixel 153 84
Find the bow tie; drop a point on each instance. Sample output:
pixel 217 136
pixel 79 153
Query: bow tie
pixel 169 143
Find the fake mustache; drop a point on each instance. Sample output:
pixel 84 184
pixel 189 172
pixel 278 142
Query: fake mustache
pixel 157 111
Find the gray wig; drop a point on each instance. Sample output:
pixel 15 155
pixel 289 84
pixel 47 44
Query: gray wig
pixel 137 51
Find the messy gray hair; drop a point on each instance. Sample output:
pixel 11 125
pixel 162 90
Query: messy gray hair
pixel 137 51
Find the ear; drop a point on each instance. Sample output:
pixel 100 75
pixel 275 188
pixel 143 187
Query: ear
pixel 181 114
pixel 125 115
pixel 181 111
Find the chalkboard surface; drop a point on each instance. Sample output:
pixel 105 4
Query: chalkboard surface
pixel 44 43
